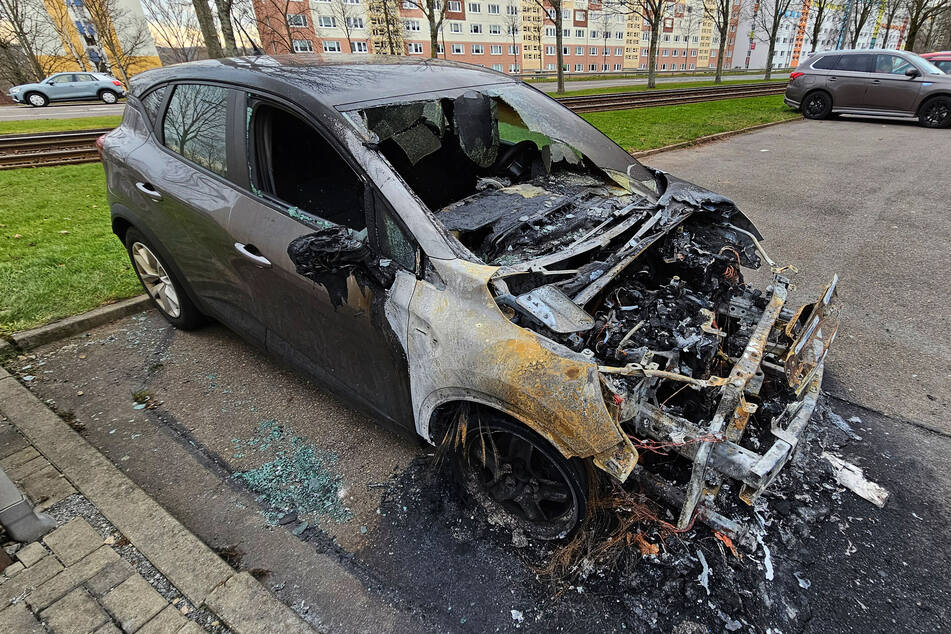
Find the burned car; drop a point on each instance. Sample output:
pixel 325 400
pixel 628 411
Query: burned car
pixel 460 256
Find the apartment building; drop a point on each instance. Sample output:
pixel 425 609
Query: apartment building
pixel 513 36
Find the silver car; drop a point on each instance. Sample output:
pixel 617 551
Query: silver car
pixel 871 82
pixel 69 87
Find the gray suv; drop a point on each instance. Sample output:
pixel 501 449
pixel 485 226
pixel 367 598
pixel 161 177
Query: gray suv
pixel 871 82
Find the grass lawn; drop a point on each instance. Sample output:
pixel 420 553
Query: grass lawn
pixel 29 126
pixel 664 86
pixel 646 128
pixel 58 255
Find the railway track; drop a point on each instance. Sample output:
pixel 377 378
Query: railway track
pixel 66 148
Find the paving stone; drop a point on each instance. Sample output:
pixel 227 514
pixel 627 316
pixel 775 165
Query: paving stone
pixel 73 540
pixel 29 579
pixel 46 487
pixel 11 441
pixel 17 474
pixel 109 577
pixel 191 628
pixel 18 618
pixel 76 613
pixel 71 577
pixel 108 628
pixel 31 553
pixel 133 602
pixel 18 458
pixel 168 620
pixel 247 607
pixel 14 569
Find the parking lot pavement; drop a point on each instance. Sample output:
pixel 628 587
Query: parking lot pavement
pixel 867 200
pixel 219 435
pixel 20 112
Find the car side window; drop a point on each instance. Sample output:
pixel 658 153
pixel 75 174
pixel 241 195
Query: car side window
pixel 892 64
pixel 861 63
pixel 828 62
pixel 195 125
pixel 153 101
pixel 84 78
pixel 396 244
pixel 292 163
pixel 63 79
pixel 944 65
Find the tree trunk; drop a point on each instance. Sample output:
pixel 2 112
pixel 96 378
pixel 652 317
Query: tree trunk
pixel 911 35
pixel 230 48
pixel 206 22
pixel 652 57
pixel 769 56
pixel 433 34
pixel 816 28
pixel 559 53
pixel 721 49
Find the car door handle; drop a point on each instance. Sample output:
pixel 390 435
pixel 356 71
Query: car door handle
pixel 876 81
pixel 251 252
pixel 832 78
pixel 149 190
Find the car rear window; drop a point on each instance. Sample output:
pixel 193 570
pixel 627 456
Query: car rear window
pixel 827 63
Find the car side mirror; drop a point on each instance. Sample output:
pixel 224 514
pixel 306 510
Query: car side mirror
pixel 913 72
pixel 50 82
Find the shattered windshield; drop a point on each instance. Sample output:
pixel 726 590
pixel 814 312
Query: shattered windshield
pixel 498 162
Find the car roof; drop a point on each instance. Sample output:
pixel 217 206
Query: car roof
pixel 857 51
pixel 335 79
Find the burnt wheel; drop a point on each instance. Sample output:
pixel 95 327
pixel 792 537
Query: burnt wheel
pixel 520 479
pixel 817 105
pixel 935 113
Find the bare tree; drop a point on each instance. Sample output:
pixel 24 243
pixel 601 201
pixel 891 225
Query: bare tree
pixel 552 10
pixel 770 18
pixel 861 10
pixel 920 13
pixel 602 21
pixel 652 12
pixel 206 22
pixel 226 24
pixel 513 22
pixel 24 26
pixel 819 11
pixel 15 66
pixel 62 23
pixel 280 22
pixel 435 12
pixel 718 12
pixel 175 28
pixel 890 9
pixel 346 17
pixel 690 24
pixel 120 34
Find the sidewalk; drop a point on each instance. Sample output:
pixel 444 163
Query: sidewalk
pixel 117 561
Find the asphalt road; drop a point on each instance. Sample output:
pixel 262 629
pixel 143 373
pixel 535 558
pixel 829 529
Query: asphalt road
pixel 64 110
pixel 862 199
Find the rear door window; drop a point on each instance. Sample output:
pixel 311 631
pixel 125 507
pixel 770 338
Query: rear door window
pixel 195 125
pixel 862 63
pixel 891 64
pixel 152 102
pixel 827 63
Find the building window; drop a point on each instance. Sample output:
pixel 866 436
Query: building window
pixel 414 48
pixel 458 49
pixel 566 50
pixel 455 6
pixel 408 5
pixel 513 49
pixel 359 47
pixel 440 48
pixel 494 9
pixel 411 25
pixel 664 53
pixel 579 16
pixel 663 66
pixel 645 36
pixel 326 21
pixel 579 68
pixel 617 67
pixel 593 67
pixel 497 67
pixel 351 1
pixel 455 27
pixel 477 49
pixel 549 67
pixel 303 46
pixel 549 50
pixel 297 19
pixel 579 32
pixel 495 29
pixel 331 46
pixel 549 31
pixel 354 23
pixel 511 9
pixel 619 35
pixel 645 52
pixel 693 53
pixel 475 28
pixel 579 50
pixel 593 51
pixel 618 52
pixel 495 49
pixel 514 68
pixel 475 7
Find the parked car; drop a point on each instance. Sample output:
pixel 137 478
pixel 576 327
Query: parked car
pixel 941 59
pixel 464 258
pixel 871 82
pixel 69 87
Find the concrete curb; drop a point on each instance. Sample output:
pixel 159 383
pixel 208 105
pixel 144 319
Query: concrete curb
pixel 711 138
pixel 202 576
pixel 78 323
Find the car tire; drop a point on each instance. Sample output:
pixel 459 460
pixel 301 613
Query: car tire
pixel 109 96
pixel 166 292
pixel 519 479
pixel 817 105
pixel 935 113
pixel 36 99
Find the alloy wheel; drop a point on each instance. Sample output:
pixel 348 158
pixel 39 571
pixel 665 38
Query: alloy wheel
pixel 937 114
pixel 814 105
pixel 37 100
pixel 109 97
pixel 156 279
